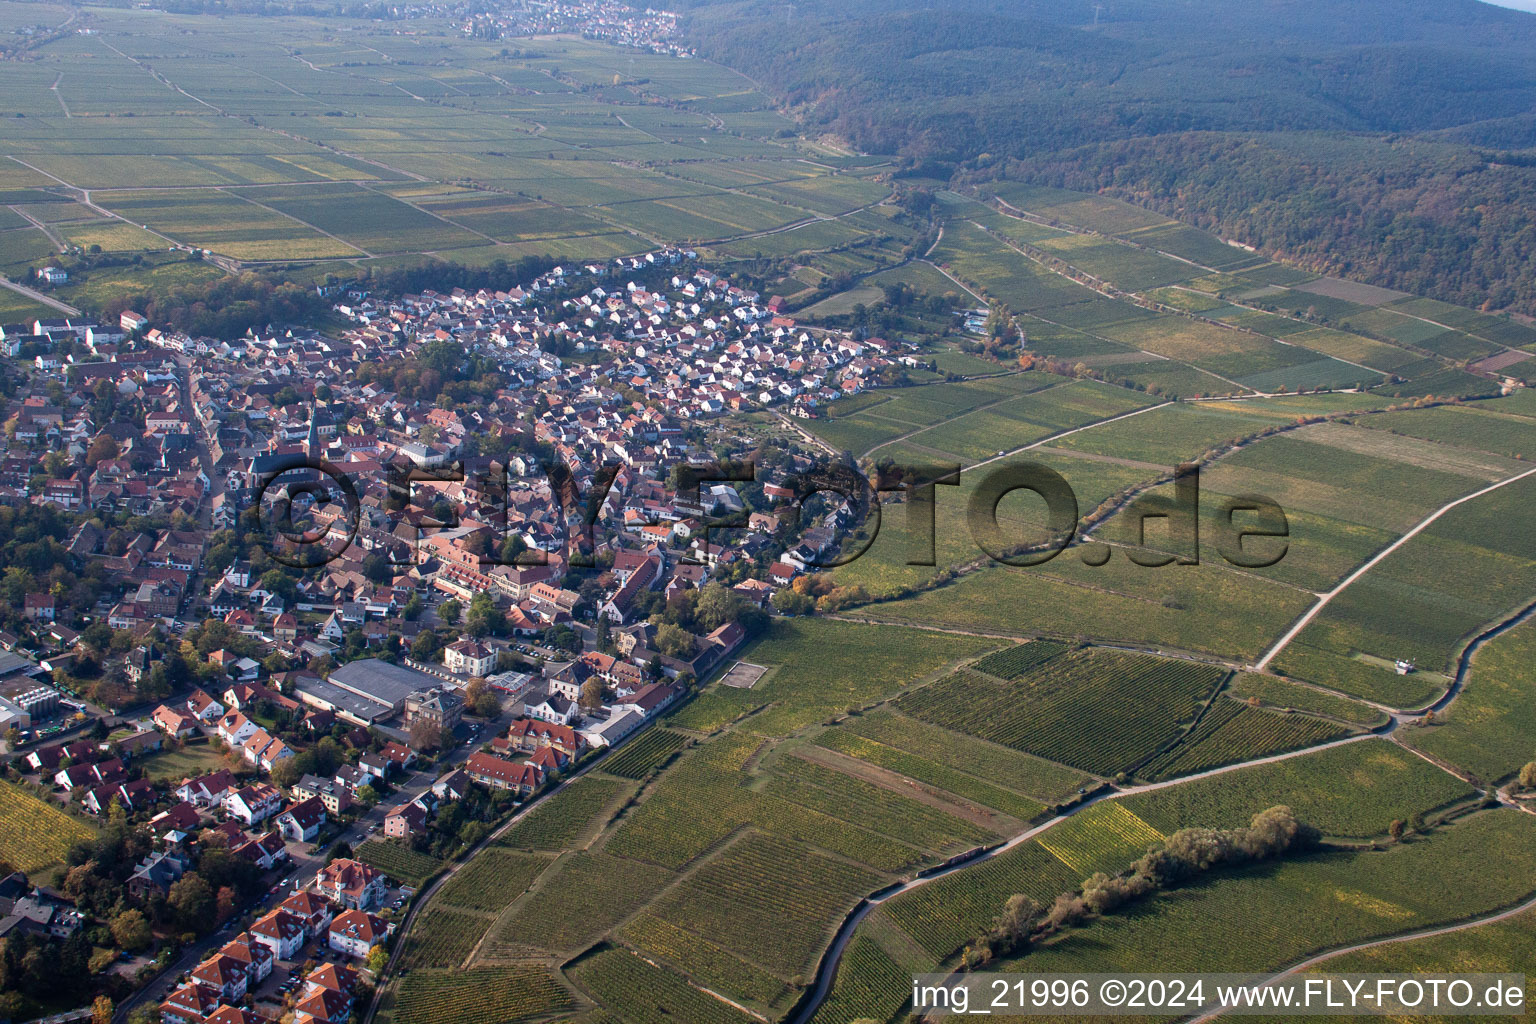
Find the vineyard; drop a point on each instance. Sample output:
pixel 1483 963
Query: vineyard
pixel 34 833
pixel 644 755
pixel 576 904
pixel 1098 711
pixel 869 806
pixel 483 995
pixel 870 985
pixel 945 914
pixel 1231 732
pixel 924 770
pixel 556 823
pixel 768 900
pixel 399 861
pixel 1002 765
pixel 1274 913
pixel 1105 837
pixel 648 994
pixel 492 880
pixel 702 960
pixel 442 938
pixel 1013 662
pixel 1353 790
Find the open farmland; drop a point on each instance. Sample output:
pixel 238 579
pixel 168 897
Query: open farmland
pixel 1245 919
pixel 265 141
pixel 1468 569
pixel 1490 729
pixel 1099 711
pixel 1353 790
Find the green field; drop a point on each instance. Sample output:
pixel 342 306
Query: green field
pixel 1490 730
pixel 1355 790
pixel 1099 711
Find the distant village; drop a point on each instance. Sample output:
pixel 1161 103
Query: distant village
pixel 238 719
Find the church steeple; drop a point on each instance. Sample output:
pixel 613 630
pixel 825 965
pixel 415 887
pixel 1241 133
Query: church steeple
pixel 312 439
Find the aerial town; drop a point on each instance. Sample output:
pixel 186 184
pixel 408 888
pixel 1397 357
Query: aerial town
pixel 262 736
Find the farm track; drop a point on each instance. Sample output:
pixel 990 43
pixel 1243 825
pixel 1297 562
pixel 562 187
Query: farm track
pixel 1323 602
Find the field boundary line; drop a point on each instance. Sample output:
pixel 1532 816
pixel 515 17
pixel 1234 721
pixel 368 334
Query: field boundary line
pixel 1323 601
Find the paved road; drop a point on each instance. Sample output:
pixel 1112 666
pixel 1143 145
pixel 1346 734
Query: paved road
pixel 37 296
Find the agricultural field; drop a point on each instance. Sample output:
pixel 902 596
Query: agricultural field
pixel 857 665
pixel 442 938
pixel 1203 608
pixel 1354 790
pixel 867 805
pixel 481 995
pixel 1424 602
pixel 648 994
pixel 645 754
pixel 1490 729
pixel 868 981
pixel 35 834
pixel 923 770
pixel 1000 765
pixel 705 962
pixel 492 880
pixel 1245 919
pixel 399 861
pixel 575 903
pixel 1106 837
pixel 1231 732
pixel 1096 710
pixel 768 901
pixel 945 914
pixel 559 821
pixel 1273 692
pixel 425 142
pixel 1507 946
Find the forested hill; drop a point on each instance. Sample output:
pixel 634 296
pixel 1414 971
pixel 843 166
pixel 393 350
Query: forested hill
pixel 1427 217
pixel 959 78
pixel 1377 139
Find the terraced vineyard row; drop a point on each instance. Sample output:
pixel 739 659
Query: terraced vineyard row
pixel 1232 732
pixel 1100 711
pixel 645 754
